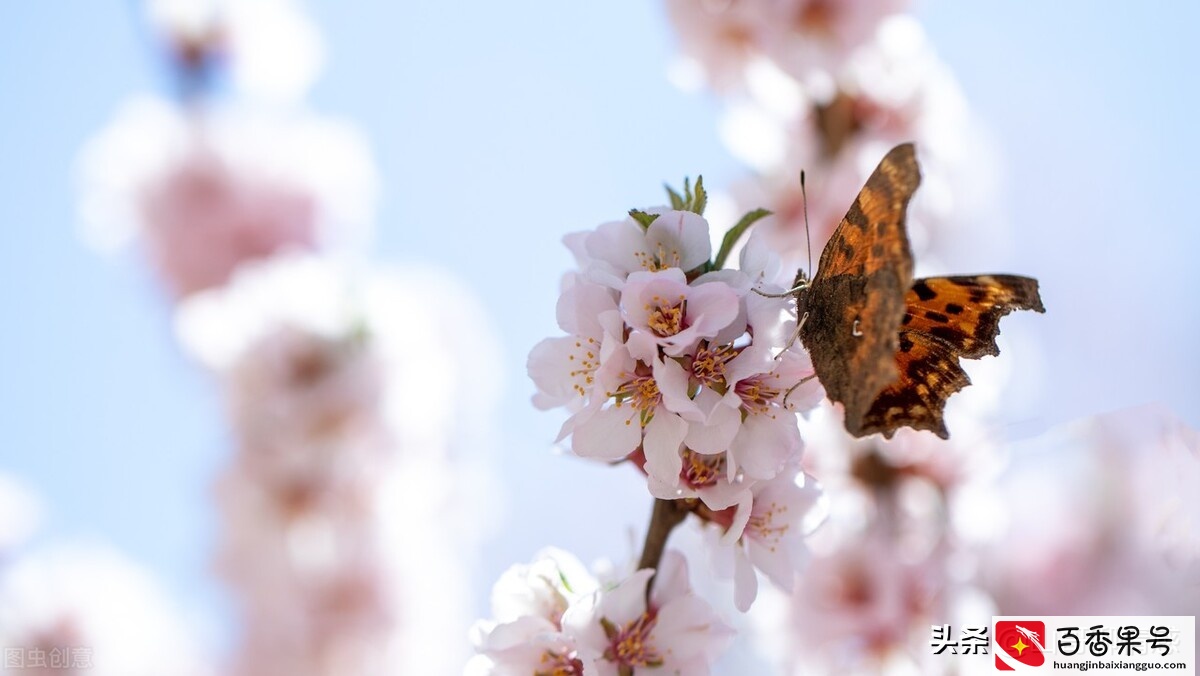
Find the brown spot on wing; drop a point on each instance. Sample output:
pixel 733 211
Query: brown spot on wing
pixel 964 311
pixel 929 374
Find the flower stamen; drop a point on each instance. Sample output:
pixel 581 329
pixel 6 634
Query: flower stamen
pixel 761 526
pixel 757 396
pixel 559 664
pixel 666 319
pixel 642 393
pixel 708 366
pixel 584 376
pixel 630 646
pixel 661 259
pixel 702 471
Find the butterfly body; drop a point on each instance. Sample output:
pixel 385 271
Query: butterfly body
pixel 887 346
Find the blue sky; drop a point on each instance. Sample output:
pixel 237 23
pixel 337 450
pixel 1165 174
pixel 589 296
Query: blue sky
pixel 498 127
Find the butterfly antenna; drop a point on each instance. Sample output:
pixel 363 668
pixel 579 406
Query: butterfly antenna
pixel 807 236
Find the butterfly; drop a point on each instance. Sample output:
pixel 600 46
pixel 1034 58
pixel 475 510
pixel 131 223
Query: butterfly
pixel 884 345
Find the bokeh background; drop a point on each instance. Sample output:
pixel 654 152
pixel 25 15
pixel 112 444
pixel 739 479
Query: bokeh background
pixel 499 127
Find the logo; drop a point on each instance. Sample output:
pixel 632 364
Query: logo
pixel 1020 642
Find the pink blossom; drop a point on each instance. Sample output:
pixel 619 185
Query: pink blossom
pixel 647 407
pixel 676 239
pixel 768 436
pixel 765 533
pixel 526 645
pixel 672 630
pixel 703 476
pixel 665 311
pixel 528 603
pixel 564 369
pixel 690 379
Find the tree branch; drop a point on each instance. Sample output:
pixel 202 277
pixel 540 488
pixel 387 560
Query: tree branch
pixel 666 516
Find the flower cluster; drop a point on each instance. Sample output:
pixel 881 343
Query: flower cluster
pixel 553 617
pixel 690 370
pixel 326 536
pixel 828 87
pixel 341 382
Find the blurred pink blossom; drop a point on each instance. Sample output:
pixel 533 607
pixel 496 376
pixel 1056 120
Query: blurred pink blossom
pixel 209 220
pixel 1100 518
pixel 802 37
pixel 208 190
pixel 893 90
pixel 864 603
pixel 345 496
pixel 84 608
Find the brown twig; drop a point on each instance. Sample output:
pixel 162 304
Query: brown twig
pixel 666 516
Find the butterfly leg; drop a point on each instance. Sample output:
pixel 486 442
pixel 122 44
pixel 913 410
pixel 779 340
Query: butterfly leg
pixel 794 338
pixel 786 294
pixel 791 389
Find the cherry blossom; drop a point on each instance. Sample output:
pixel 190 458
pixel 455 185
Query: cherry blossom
pixel 664 311
pixel 680 357
pixel 526 633
pixel 670 630
pixel 690 370
pixel 675 239
pixel 767 533
pixel 564 368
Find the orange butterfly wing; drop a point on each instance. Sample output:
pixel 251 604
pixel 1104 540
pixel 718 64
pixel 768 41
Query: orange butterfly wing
pixel 872 236
pixel 946 318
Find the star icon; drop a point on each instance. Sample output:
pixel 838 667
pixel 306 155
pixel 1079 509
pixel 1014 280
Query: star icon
pixel 1019 646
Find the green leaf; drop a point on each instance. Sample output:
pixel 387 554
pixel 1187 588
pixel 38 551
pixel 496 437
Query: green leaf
pixel 644 219
pixel 676 199
pixel 735 233
pixel 700 200
pixel 687 192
